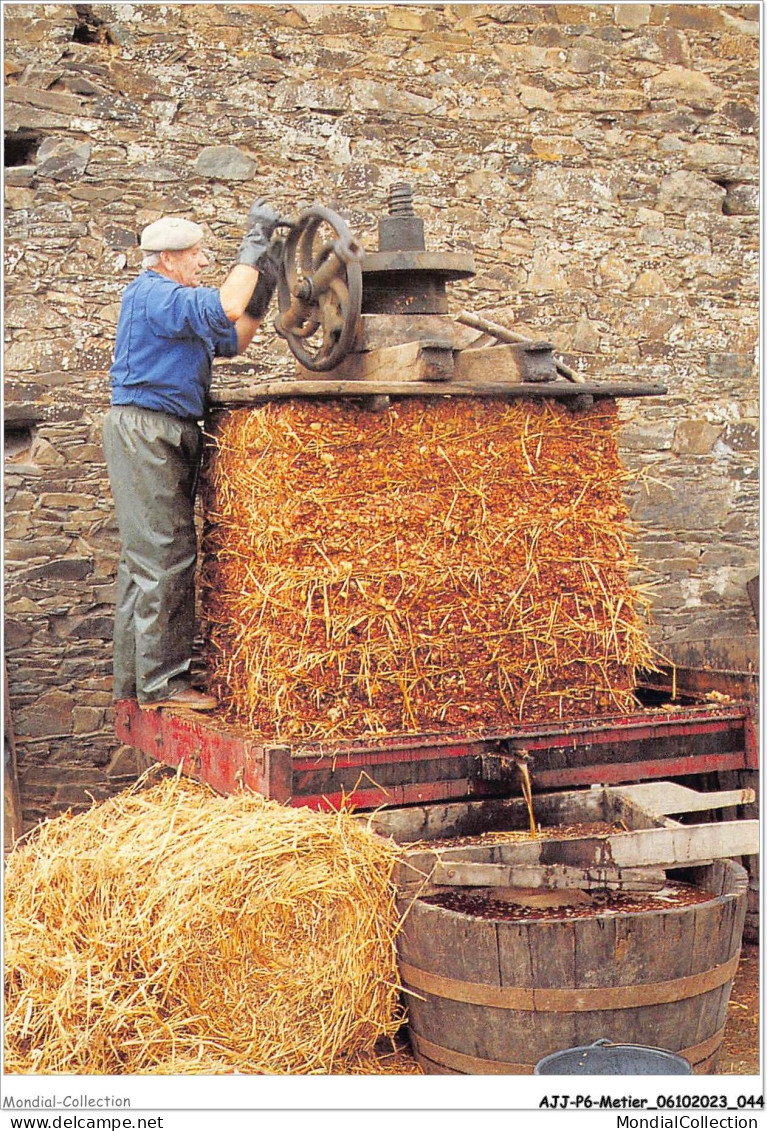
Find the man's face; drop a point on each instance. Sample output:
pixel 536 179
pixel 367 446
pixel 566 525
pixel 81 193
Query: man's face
pixel 186 266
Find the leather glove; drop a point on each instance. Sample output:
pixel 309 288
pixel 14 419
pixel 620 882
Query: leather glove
pixel 262 220
pixel 268 273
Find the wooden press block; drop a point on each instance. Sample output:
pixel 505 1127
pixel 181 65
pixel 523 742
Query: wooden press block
pixel 424 360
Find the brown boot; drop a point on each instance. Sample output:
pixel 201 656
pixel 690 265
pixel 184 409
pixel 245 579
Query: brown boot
pixel 185 698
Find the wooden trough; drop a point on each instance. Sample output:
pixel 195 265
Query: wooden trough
pixel 494 994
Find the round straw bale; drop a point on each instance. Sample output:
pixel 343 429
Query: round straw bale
pixel 170 928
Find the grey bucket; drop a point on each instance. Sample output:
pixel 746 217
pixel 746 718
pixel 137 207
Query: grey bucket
pixel 604 1058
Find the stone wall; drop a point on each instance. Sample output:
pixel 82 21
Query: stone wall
pixel 600 160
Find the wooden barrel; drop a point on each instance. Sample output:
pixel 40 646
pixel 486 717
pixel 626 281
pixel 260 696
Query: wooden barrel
pixel 496 996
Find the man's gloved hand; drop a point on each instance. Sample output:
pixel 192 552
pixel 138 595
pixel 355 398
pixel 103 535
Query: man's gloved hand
pixel 262 220
pixel 268 272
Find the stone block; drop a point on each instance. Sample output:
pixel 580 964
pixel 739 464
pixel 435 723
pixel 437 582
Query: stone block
pixel 649 282
pixel 125 762
pixel 93 628
pixel 694 17
pixel 536 98
pixel 526 58
pixel 684 191
pixel 29 310
pixel 546 275
pixel 730 366
pixel 584 62
pixel 63 569
pixel 66 104
pixel 584 16
pixel 647 435
pixel 553 148
pixel 21 176
pixel 325 96
pixel 44 455
pixel 682 505
pixel 18 199
pixel 707 154
pixel 20 502
pixel 63 159
pixel 38 356
pixel 632 16
pixel 586 336
pixel 118 238
pixel 742 437
pixel 225 162
pixel 740 114
pixel 22 118
pixel 87 720
pixel 619 100
pixel 695 437
pixel 616 271
pixel 741 200
pixel 403 18
pixel 367 94
pixel 159 174
pixel 659 45
pixel 17 634
pixel 58 500
pixel 81 797
pixel 50 714
pixel 693 88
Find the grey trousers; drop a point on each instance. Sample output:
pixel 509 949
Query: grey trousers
pixel 153 461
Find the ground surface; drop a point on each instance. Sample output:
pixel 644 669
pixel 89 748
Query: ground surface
pixel 740 1049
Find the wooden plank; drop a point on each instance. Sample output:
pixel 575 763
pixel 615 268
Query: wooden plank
pixel 710 946
pixel 558 876
pixel 434 940
pixel 503 333
pixel 493 363
pixel 522 1041
pixel 428 359
pixel 665 797
pixel 312 386
pixel 676 846
pixel 466 818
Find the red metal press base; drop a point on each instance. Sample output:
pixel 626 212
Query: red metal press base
pixel 412 769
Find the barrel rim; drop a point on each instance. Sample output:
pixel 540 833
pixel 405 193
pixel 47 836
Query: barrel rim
pixel 739 886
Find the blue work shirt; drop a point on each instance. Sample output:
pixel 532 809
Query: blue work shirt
pixel 167 337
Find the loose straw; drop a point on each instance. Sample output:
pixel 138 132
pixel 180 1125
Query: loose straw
pixel 170 930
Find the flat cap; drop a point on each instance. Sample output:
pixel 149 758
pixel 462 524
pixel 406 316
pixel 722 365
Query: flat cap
pixel 171 233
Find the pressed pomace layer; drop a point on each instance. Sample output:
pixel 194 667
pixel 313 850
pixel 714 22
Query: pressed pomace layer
pixel 450 563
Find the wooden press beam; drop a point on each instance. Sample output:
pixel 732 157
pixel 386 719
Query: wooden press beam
pixel 428 359
pixel 468 873
pixel 504 334
pixel 664 797
pixel 329 387
pixel 671 846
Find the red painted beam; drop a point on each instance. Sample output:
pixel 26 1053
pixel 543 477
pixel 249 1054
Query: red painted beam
pixel 614 772
pixel 221 755
pixel 453 790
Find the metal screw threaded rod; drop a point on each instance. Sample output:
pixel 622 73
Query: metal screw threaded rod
pixel 401 200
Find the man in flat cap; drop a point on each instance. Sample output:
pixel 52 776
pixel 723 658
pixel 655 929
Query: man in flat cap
pixel 169 331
